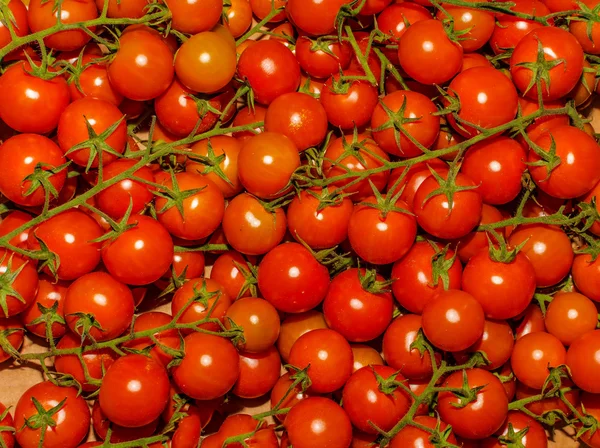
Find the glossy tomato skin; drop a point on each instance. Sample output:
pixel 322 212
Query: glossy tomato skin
pixel 394 19
pixel 480 418
pixel 509 30
pixel 20 25
pixel 397 350
pixel 291 279
pixel 7 436
pixel 200 289
pixel 534 437
pixel 424 130
pixel 305 420
pixel 419 52
pixel 548 249
pixel 533 355
pixel 31 104
pixel 93 82
pixel 559 44
pixel 119 434
pixel 503 289
pixel 356 313
pixel 143 67
pixel 298 116
pixel 413 437
pixel 260 322
pixel 279 391
pixel 169 338
pixel 19 157
pixel 24 283
pixel 582 361
pixel 487 99
pixel 541 124
pixel 72 420
pixel 469 245
pixel 496 165
pixel 532 321
pixel 13 221
pixel 126 257
pixel 100 115
pixel 313 16
pixel 412 180
pixel 210 367
pixel 569 316
pixel 194 18
pixel 258 373
pixel 109 301
pixel 320 229
pixel 579 170
pixel 281 76
pixel 364 402
pixel 15 339
pixel 132 9
pixel 593 194
pixel 586 275
pixel 318 63
pixel 202 211
pixel 42 15
pixel 205 63
pixel 96 361
pixel 294 326
pixel 327 373
pixel 444 320
pixel 381 238
pixel 365 356
pixel 50 293
pixel 435 217
pixel 69 235
pixel 250 228
pixel 477 25
pixel 496 342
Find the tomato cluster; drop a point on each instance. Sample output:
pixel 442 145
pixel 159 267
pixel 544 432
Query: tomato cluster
pixel 376 218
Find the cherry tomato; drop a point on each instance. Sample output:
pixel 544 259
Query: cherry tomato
pixel 410 182
pixel 365 356
pixel 13 221
pixel 262 8
pixel 291 279
pixel 167 338
pixel 582 362
pixel 569 316
pixel 196 17
pixel 322 59
pixel 531 322
pixel 534 354
pixel 279 394
pixel 20 26
pixel 29 103
pixel 246 116
pixel 314 17
pixel 395 19
pixel 258 373
pixel 143 67
pixel 413 437
pixel 7 421
pixel 471 60
pixel 478 25
pixel 119 434
pixel 354 308
pixel 126 257
pixel 520 428
pixel 509 30
pixel 25 160
pixel 541 124
pixel 586 275
pixel 15 338
pixel 93 82
pixel 496 343
pixel 132 9
pixel 481 417
pixel 51 293
pixel 328 357
pixel 294 326
pixel 472 243
pixel 259 320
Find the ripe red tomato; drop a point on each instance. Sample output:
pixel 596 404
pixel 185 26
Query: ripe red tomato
pixel 258 373
pixel 548 249
pixel 294 326
pixel 328 356
pixel 291 279
pixel 195 17
pixel 472 243
pixel 13 221
pixel 322 60
pixel 533 355
pixel 134 391
pixel 397 351
pixel 421 125
pixel 19 159
pixel 94 83
pixel 481 417
pixel 20 25
pixel 354 311
pixel 532 321
pixel 262 8
pixel 250 228
pixel 395 19
pixel 519 428
pixel 586 275
pixel 365 403
pixel 50 293
pixel 96 361
pixel 29 103
pixel 583 361
pixel 579 168
pixel 168 338
pixel 413 437
pixel 427 54
pixel 259 320
pixel 509 30
pixel 318 421
pixel 412 180
pixel 496 343
pixel 15 339
pixel 127 257
pixel 314 17
pixel 246 116
pixel 365 356
pixel 100 115
pixel 548 404
pixel 592 408
pixel 569 316
pixel 504 289
pixel 560 47
pixel 478 25
pixel 132 9
pixel 270 69
pixel 205 62
pixel 288 400
pixel 143 67
pixel 438 217
pixel 7 421
pixel 119 434
pixel 209 368
pixel 589 40
pixel 542 124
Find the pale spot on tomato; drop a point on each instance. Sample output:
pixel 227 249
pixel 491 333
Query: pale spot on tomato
pixel 467 17
pixel 206 360
pixel 141 60
pixel 372 396
pixel 205 57
pixel 254 319
pixel 134 386
pixel 317 426
pixel 452 316
pixel 537 355
pixel 98 81
pixel 268 160
pixel 268 65
pixel 139 244
pixel 100 299
pixel 572 314
pixel 126 184
pixel 570 158
pixel 381 226
pixel 32 94
pixel 495 166
pixel 356 304
pixel 497 280
pixel 252 220
pixel 428 46
pixel 28 160
pixel 250 362
pixel 539 247
pixel 482 98
pixel 294 272
pixel 322 355
pixel 69 238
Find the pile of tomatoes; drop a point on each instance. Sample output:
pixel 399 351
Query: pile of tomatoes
pixel 300 223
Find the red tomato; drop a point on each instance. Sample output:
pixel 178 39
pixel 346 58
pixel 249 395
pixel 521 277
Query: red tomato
pixel 397 351
pixel 20 279
pixel 328 357
pixel 230 270
pixel 583 363
pixel 246 116
pixel 24 161
pixel 551 403
pixel 262 8
pixel 397 135
pixel 287 400
pixel 509 30
pixel 471 60
pixel 15 338
pixel 270 69
pixel 318 421
pixel 472 243
pixel 200 299
pixel 196 17
pixel 314 17
pixel 209 368
pixel 13 221
pixel 29 103
pixel 481 417
pixel 131 9
pixel 259 320
pixel 476 24
pixel 561 49
pixel 412 180
pixel 396 18
pixel 294 326
pixel 586 275
pixel 519 428
pixel 438 217
pixel 533 355
pixel 569 316
pixel 365 356
pixel 412 437
pixel 96 362
pixel 50 293
pixel 532 321
pixel 258 373
pixel 7 421
pixel 353 309
pixel 496 343
pixel 579 168
pixel 19 12
pixel 487 98
pixel 93 82
pixel 427 54
pixel 291 279
pixel 119 434
pixel 143 67
pixel 542 124
pixel 167 338
pixel 453 320
pixel 322 59
pixel 548 249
